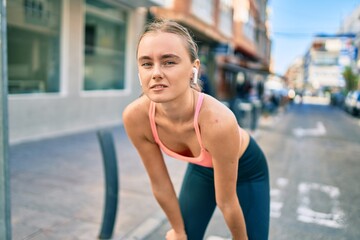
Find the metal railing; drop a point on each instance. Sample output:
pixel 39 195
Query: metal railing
pixel 111 183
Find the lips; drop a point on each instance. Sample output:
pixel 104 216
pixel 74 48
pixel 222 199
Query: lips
pixel 158 86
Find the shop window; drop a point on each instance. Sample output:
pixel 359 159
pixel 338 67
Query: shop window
pixel 204 10
pixel 105 35
pixel 33 33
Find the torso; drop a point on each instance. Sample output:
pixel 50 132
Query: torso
pixel 182 139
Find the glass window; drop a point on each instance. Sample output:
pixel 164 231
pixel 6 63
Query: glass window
pixel 33 28
pixel 204 10
pixel 324 58
pixel 249 29
pixel 105 35
pixel 226 17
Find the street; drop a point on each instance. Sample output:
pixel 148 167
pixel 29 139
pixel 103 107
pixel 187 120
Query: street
pixel 313 155
pixel 73 72
pixel 57 186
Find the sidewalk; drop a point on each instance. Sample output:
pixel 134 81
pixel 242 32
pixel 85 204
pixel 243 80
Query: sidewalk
pixel 57 190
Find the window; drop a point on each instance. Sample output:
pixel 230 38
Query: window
pixel 105 34
pixel 249 29
pixel 226 17
pixel 324 58
pixel 33 29
pixel 204 10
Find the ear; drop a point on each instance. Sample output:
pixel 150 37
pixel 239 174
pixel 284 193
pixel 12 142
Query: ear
pixel 139 79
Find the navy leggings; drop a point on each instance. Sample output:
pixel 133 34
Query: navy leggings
pixel 197 195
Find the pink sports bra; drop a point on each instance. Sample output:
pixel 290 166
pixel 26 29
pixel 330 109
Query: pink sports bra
pixel 204 159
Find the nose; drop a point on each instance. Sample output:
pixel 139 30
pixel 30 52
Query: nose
pixel 157 72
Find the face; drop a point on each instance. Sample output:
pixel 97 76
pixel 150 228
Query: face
pixel 164 66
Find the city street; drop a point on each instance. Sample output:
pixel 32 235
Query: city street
pixel 74 71
pixel 313 153
pixel 57 187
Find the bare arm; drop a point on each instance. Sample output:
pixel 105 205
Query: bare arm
pixel 139 132
pixel 220 133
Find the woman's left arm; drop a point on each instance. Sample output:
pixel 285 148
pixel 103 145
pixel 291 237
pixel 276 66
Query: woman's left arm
pixel 220 134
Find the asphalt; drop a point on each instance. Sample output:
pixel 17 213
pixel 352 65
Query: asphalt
pixel 58 189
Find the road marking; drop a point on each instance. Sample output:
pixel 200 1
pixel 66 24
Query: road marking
pixel 277 198
pixel 332 219
pixel 319 130
pixel 217 238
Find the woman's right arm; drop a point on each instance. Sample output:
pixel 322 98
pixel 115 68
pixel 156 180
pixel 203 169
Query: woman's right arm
pixel 138 129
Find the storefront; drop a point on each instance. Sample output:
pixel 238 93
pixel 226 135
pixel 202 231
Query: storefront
pixel 71 64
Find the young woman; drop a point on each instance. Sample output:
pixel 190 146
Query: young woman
pixel 226 168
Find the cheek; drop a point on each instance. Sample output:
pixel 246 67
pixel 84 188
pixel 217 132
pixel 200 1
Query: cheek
pixel 143 75
pixel 180 77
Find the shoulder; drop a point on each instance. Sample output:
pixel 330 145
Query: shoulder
pixel 214 113
pixel 217 122
pixel 135 117
pixel 136 110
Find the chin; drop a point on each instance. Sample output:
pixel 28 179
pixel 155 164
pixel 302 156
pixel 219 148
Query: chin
pixel 158 98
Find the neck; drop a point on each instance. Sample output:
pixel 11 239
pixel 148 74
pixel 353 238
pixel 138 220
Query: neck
pixel 179 110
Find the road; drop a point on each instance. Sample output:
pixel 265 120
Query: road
pixel 313 153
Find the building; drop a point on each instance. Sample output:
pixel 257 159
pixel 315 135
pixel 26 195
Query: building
pixel 351 24
pixel 326 59
pixel 232 38
pixel 72 65
pixel 295 74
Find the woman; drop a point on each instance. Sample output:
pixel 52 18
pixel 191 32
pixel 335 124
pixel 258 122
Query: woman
pixel 226 167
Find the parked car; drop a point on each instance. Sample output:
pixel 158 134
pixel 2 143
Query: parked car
pixel 352 102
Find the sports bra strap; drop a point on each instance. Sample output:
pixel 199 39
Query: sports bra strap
pixel 152 121
pixel 196 124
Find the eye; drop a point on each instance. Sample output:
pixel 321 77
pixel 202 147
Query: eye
pixel 146 64
pixel 169 63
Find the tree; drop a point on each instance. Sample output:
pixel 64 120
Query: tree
pixel 351 79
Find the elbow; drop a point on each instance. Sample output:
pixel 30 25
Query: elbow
pixel 227 204
pixel 161 194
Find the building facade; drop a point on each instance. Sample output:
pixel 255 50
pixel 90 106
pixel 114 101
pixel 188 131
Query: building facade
pixel 72 63
pixel 232 37
pixel 351 24
pixel 295 74
pixel 326 60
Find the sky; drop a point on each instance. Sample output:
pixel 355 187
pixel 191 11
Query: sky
pixel 294 22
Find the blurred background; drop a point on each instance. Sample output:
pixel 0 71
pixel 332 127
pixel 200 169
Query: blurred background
pixel 71 64
pixel 289 71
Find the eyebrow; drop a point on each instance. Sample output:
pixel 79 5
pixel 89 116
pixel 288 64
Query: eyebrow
pixel 165 56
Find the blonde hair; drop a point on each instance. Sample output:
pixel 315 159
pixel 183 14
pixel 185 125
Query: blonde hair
pixel 169 26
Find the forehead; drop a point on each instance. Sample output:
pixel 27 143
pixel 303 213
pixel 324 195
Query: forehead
pixel 156 43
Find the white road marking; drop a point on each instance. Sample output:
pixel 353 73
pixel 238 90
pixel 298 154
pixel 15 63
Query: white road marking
pixel 277 197
pixel 319 130
pixel 332 219
pixel 217 238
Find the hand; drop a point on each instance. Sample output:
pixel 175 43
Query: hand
pixel 172 235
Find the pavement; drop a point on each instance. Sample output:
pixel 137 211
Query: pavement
pixel 58 188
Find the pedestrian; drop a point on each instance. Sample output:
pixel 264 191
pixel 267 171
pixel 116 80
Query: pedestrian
pixel 226 168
